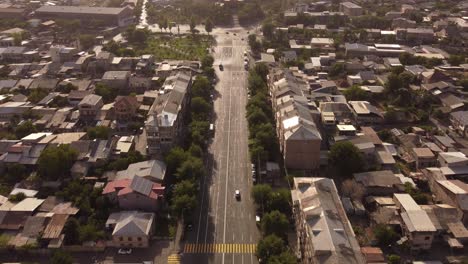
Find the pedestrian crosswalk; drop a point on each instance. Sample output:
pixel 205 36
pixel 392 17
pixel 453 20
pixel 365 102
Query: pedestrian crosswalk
pixel 173 259
pixel 220 248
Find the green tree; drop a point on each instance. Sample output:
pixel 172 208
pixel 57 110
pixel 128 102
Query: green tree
pixel 24 129
pixel 270 246
pixel 108 94
pixel 176 157
pixel 261 194
pixel 385 235
pixel 86 41
pixel 184 205
pixel 61 257
pixel 37 95
pixel 206 62
pixel 208 26
pixel 275 223
pixel 287 257
pixel 195 150
pixel 98 132
pixel 202 88
pixel 15 198
pixel 55 162
pixel 261 69
pixel 456 60
pixel 355 93
pixel 71 231
pixel 346 158
pixel 185 187
pixel 337 69
pixel 268 30
pixel 192 168
pixel 201 109
pixel 280 200
pixel 394 259
pixel 192 25
pixel 90 232
pixel 14 172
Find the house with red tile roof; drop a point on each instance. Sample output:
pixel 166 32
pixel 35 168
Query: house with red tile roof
pixel 135 194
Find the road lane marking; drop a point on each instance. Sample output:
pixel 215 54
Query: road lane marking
pixel 227 168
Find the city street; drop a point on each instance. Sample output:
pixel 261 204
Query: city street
pixel 224 229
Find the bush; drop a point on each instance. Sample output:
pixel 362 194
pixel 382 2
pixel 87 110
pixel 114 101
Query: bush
pixel 385 235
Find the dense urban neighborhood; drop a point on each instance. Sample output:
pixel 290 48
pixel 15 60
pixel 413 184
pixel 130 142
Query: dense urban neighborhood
pixel 232 132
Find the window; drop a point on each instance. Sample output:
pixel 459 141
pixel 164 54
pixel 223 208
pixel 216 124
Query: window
pixel 139 238
pixel 120 238
pixel 427 238
pixel 129 238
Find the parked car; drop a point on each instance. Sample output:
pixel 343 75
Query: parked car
pixel 221 67
pixel 125 251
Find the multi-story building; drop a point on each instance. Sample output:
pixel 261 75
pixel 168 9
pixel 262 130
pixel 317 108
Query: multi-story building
pixel 116 16
pixel 324 233
pixel 125 108
pixel 351 9
pixel 90 106
pixel 416 224
pixel 164 126
pixel 298 135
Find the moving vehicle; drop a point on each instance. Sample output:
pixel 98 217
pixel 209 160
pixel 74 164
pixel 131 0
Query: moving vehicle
pixel 221 67
pixel 237 195
pixel 125 251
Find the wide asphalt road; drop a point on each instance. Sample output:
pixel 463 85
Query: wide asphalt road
pixel 224 229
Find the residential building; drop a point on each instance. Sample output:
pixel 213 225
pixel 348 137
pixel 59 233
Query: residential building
pixel 12 12
pixel 164 126
pixel 298 134
pixel 116 79
pixel 366 113
pixel 459 122
pixel 424 158
pixel 416 35
pixel 153 170
pixel 131 229
pixel 454 193
pixel 10 109
pixel 112 16
pixel 381 50
pixel 340 112
pixel 378 183
pixel 322 43
pixel 135 194
pixel 62 53
pixel 452 159
pixel 351 9
pixel 125 108
pixel 90 106
pixel 324 233
pixel 416 224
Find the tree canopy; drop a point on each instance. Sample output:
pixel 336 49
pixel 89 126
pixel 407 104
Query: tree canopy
pixel 275 223
pixel 55 162
pixel 346 158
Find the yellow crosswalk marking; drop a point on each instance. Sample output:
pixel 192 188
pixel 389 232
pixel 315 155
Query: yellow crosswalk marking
pixel 173 259
pixel 220 248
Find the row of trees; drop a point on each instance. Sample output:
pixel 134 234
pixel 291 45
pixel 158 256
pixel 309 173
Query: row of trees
pixel 274 224
pixel 274 205
pixel 262 134
pixel 187 165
